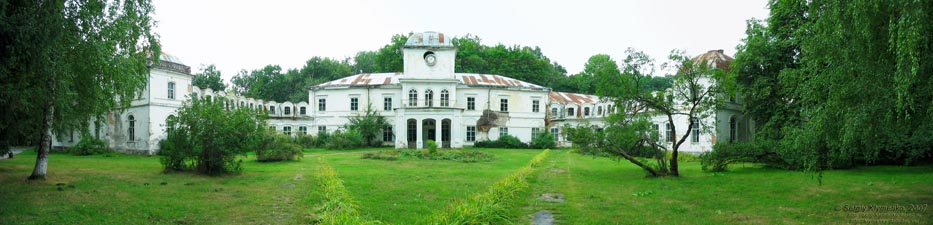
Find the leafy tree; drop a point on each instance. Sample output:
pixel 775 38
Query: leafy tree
pixel 694 95
pixel 206 137
pixel 71 61
pixel 853 85
pixel 365 62
pixel 209 77
pixel 369 125
pixel 389 58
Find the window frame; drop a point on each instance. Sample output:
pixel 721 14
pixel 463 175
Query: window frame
pixel 131 128
pixel 413 98
pixel 322 104
pixel 387 103
pixel 535 105
pixel 354 103
pixel 503 105
pixel 445 98
pixel 471 133
pixel 471 103
pixel 503 131
pixel 171 90
pixel 429 98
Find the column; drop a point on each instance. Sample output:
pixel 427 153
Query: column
pixel 418 142
pixel 437 132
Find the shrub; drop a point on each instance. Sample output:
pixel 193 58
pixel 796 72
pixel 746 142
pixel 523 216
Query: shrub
pixel 306 141
pixel 543 141
pixel 207 137
pixel 505 141
pixel 278 147
pixel 89 146
pixel 369 126
pixel 461 155
pixel 321 139
pixel 349 139
pixel 724 154
pixel 431 146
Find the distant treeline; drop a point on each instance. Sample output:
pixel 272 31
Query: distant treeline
pixel 272 82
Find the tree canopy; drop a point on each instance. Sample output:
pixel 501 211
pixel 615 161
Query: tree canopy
pixel 841 83
pixel 67 62
pixel 209 77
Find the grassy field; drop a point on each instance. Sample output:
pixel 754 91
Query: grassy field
pixel 124 189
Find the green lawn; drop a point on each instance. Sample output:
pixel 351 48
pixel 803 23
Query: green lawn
pixel 603 191
pixel 113 190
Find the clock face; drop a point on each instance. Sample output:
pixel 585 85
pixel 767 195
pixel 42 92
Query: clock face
pixel 430 59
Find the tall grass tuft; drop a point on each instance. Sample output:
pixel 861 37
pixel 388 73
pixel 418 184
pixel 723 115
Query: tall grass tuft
pixel 338 206
pixel 488 207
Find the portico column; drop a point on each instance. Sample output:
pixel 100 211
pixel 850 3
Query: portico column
pixel 437 133
pixel 418 131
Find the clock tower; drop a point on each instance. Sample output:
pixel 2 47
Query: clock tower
pixel 429 55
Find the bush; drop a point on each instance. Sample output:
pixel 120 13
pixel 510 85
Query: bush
pixel 506 141
pixel 349 139
pixel 206 137
pixel 431 146
pixel 306 141
pixel 724 154
pixel 278 147
pixel 461 155
pixel 89 146
pixel 369 126
pixel 543 141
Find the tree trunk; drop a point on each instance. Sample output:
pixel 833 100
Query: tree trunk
pixel 45 144
pixel 648 168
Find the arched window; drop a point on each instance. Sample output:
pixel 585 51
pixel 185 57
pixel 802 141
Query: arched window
pixel 732 127
pixel 570 112
pixel 412 98
pixel 170 123
pixel 171 90
pixel 586 111
pixel 131 129
pixel 445 98
pixel 429 98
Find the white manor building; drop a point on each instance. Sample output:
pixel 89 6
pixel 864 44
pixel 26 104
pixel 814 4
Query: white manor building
pixel 426 101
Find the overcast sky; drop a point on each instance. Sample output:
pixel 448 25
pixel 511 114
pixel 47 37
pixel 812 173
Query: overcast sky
pixel 248 35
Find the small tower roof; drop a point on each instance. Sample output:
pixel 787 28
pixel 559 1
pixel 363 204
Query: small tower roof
pixel 429 39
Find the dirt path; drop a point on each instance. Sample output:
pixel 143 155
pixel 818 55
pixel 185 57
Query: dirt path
pixel 551 190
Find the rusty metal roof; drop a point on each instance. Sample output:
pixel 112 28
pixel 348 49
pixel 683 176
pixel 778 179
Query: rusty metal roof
pixel 470 79
pixel 429 39
pixel 715 58
pixel 572 98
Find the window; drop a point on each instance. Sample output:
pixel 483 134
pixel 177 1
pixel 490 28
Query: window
pixel 570 112
pixel 554 111
pixel 171 90
pixel 535 132
pixel 131 129
pixel 387 135
pixel 695 130
pixel 445 98
pixel 354 104
pixel 732 126
pixel 504 105
pixel 387 104
pixel 670 132
pixel 71 135
pixel 471 133
pixel 288 110
pixel 554 131
pixel 503 131
pixel 250 104
pixel 303 130
pixel 412 98
pixel 303 110
pixel 321 129
pixel 599 111
pixel 272 128
pixel 322 104
pixel 586 111
pixel 428 98
pixel 535 105
pixel 271 109
pixel 471 103
pixel 287 130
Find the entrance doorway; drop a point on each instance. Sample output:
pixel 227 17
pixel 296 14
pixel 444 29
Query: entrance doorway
pixel 445 133
pixel 412 133
pixel 428 130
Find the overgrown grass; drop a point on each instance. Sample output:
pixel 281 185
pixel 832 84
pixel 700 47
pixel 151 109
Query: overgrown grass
pixel 338 206
pixel 131 189
pixel 604 191
pixel 488 207
pixel 127 189
pixel 406 191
